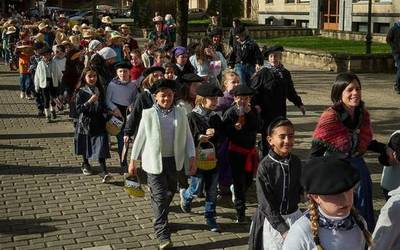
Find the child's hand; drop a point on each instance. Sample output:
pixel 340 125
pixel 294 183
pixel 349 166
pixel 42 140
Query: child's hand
pixel 204 138
pixel 192 166
pixel 93 98
pixel 132 168
pixel 238 126
pixel 210 132
pixel 117 113
pixel 126 139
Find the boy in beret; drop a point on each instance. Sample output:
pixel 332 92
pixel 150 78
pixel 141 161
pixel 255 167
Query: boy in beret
pixel 331 221
pixel 165 145
pixel 274 85
pixel 206 127
pixel 121 93
pixel 241 124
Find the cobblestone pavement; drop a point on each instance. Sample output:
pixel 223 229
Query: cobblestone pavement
pixel 45 202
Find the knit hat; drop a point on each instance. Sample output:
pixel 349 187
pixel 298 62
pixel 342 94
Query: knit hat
pixel 107 53
pixel 209 90
pixel 328 176
pixel 93 44
pixel 178 50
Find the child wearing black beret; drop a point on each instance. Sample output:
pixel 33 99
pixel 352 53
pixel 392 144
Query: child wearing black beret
pixel 331 221
pixel 206 127
pixel 278 189
pixel 240 122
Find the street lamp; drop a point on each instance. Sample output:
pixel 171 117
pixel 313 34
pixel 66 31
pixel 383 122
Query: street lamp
pixel 368 38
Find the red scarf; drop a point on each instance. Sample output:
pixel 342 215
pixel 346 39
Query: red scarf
pixel 251 156
pixel 331 132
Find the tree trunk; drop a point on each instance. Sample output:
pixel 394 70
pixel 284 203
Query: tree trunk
pixel 182 7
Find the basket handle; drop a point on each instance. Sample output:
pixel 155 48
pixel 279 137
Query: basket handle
pixel 205 142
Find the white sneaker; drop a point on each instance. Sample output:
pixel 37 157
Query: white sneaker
pixel 233 194
pixel 22 95
pixel 107 177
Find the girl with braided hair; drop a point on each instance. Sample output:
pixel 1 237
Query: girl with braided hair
pixel 331 221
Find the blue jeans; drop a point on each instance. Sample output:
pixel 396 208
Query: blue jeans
pixel 210 180
pixel 397 63
pixel 25 82
pixel 245 72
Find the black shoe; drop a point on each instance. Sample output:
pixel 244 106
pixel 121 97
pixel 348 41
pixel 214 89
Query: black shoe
pixel 241 219
pixel 53 114
pixel 86 169
pixel 40 113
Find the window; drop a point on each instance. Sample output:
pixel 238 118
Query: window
pixel 290 1
pixel 269 1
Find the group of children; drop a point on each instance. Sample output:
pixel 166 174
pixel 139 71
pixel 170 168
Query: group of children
pixel 194 131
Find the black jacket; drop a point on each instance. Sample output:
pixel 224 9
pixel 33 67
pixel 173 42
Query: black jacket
pixel 92 118
pixel 143 101
pixel 245 137
pixel 273 88
pixel 199 125
pixel 274 175
pixel 393 38
pixel 246 53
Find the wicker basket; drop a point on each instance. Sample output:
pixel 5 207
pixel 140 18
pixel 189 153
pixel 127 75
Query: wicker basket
pixel 114 125
pixel 206 158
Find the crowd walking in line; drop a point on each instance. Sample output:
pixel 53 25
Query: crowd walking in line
pixel 193 115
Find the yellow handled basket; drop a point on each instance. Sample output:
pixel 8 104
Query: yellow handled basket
pixel 206 158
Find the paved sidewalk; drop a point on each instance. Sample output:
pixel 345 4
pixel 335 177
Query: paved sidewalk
pixel 45 201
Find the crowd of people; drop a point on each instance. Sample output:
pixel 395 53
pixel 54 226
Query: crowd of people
pixel 193 115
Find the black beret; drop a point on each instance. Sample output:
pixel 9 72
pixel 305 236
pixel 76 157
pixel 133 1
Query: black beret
pixel 272 49
pixel 123 65
pixel 46 49
pixel 242 89
pixel 394 143
pixel 163 83
pixel 190 77
pixel 150 70
pixel 209 89
pixel 275 122
pixel 239 30
pixel 328 176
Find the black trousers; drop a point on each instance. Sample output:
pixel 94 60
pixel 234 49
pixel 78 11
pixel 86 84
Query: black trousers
pixel 242 180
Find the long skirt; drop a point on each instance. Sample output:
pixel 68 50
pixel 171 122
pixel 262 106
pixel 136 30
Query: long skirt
pixel 92 147
pixel 363 193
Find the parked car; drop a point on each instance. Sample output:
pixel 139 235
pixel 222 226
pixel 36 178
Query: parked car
pixel 197 14
pixel 86 15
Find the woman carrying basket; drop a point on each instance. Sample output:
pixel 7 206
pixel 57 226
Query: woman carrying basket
pixel 206 126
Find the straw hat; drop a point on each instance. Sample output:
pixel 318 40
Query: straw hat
pixel 60 37
pixel 115 35
pixel 124 26
pixel 11 30
pixel 84 26
pixel 74 40
pixel 39 37
pixel 42 26
pixel 24 44
pixel 87 34
pixel 106 19
pixel 75 28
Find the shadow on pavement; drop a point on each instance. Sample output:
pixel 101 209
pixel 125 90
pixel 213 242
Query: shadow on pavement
pixel 9 87
pixel 25 226
pixel 8 116
pixel 36 136
pixel 218 244
pixel 19 170
pixel 15 147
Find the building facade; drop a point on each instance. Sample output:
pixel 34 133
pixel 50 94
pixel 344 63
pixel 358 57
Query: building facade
pixel 343 15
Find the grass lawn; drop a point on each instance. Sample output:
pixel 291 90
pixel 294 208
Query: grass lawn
pixel 325 44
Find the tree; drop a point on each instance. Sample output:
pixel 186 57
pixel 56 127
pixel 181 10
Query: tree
pixel 182 7
pixel 229 9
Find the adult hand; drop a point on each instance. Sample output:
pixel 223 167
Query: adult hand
pixel 192 166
